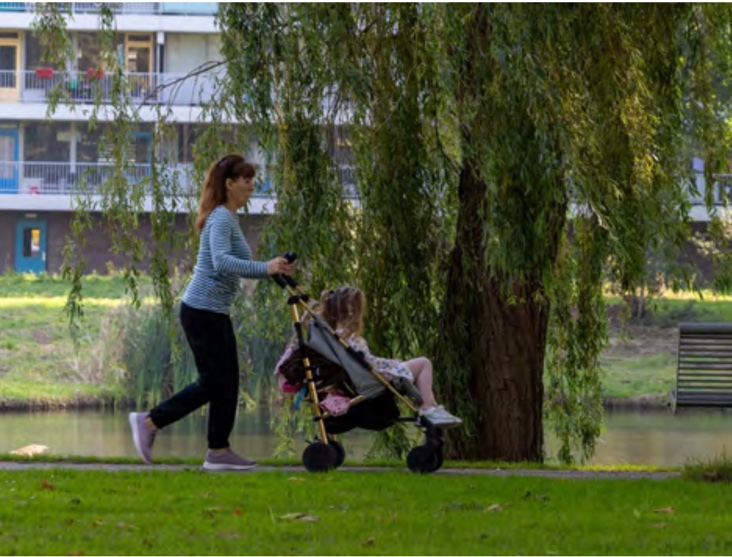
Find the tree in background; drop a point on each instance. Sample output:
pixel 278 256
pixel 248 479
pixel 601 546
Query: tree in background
pixel 508 157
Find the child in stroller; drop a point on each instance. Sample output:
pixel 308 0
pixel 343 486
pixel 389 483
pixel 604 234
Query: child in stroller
pixel 343 309
pixel 348 386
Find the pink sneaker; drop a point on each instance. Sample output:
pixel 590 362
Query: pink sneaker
pixel 142 435
pixel 227 460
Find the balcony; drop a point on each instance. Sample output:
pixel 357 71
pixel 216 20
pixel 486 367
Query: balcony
pixel 63 178
pixel 126 8
pixel 53 186
pixel 84 87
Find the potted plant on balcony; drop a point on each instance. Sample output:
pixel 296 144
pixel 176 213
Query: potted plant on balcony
pixel 44 73
pixel 44 79
pixel 93 78
pixel 94 74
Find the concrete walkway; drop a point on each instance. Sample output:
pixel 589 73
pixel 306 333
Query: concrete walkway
pixel 567 474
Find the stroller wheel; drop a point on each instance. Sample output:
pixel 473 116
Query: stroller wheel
pixel 319 457
pixel 340 453
pixel 424 459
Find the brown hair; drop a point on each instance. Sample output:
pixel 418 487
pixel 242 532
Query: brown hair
pixel 344 307
pixel 214 187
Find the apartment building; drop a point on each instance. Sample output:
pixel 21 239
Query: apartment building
pixel 43 161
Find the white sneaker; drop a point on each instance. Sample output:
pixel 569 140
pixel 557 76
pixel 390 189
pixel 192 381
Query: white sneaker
pixel 437 415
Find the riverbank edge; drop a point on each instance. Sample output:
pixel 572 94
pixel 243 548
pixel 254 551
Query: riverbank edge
pixel 637 403
pixel 58 404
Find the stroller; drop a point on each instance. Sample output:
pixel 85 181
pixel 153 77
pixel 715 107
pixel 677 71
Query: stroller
pixel 323 362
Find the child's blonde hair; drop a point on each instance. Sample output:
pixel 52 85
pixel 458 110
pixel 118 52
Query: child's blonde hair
pixel 343 309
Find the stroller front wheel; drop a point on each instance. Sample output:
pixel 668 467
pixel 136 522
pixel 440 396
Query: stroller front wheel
pixel 319 457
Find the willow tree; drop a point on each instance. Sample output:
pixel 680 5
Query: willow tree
pixel 509 159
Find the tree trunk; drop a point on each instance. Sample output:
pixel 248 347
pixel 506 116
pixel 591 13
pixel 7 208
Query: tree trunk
pixel 497 359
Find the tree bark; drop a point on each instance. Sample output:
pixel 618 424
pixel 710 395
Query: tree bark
pixel 497 356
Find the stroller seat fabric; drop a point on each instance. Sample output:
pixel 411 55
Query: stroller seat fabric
pixel 331 362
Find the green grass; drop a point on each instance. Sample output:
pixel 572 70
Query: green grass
pixel 68 512
pixel 93 286
pixel 715 469
pixel 631 377
pixel 19 394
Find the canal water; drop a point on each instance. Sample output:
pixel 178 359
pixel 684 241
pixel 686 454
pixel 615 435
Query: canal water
pixel 648 437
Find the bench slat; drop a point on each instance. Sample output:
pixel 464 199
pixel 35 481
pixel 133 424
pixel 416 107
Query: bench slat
pixel 704 376
pixel 704 350
pixel 692 368
pixel 704 395
pixel 706 328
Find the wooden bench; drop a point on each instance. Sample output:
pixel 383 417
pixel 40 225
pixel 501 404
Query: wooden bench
pixel 704 365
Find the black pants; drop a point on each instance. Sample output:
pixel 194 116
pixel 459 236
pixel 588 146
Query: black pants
pixel 211 337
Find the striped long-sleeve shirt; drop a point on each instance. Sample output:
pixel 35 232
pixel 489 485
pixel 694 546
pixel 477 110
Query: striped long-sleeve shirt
pixel 223 257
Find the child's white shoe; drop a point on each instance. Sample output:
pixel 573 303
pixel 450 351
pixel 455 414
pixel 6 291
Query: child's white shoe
pixel 437 415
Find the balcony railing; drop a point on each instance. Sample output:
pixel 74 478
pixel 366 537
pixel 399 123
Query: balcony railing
pixel 87 86
pixel 126 8
pixel 721 188
pixel 63 178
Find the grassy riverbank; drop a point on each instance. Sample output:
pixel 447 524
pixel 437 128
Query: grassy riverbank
pixel 41 367
pixel 44 365
pixel 59 512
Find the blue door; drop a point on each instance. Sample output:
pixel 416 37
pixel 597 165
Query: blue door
pixel 8 160
pixel 30 246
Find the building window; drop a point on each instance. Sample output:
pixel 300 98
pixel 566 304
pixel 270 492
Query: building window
pixel 187 136
pixel 93 145
pixel 8 66
pixel 89 52
pixel 31 242
pixel 47 142
pixel 34 54
pixel 88 146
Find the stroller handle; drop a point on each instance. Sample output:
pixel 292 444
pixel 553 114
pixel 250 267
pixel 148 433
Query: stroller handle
pixel 283 280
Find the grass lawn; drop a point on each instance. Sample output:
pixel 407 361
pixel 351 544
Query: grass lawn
pixel 14 285
pixel 69 512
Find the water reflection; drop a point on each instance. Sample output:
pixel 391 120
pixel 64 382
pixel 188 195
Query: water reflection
pixel 664 439
pixel 107 434
pixel 655 438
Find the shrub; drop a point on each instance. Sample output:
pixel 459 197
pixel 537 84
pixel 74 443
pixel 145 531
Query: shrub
pixel 716 469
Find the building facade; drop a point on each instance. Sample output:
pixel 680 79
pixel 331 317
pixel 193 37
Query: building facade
pixel 43 161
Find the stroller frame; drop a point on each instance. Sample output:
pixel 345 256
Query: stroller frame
pixel 327 453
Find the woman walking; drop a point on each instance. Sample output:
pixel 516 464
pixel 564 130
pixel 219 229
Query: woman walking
pixel 223 258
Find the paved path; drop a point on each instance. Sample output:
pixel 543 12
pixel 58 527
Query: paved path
pixel 569 474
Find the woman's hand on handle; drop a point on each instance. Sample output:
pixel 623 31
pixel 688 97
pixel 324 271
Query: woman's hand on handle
pixel 279 266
